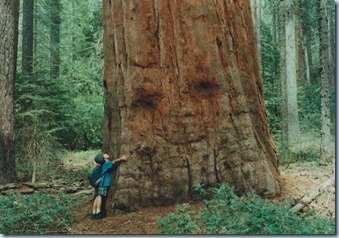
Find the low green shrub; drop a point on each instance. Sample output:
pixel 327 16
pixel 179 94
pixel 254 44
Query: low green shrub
pixel 38 213
pixel 306 149
pixel 228 213
pixel 309 154
pixel 180 222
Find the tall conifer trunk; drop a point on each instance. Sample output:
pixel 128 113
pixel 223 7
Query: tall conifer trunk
pixel 282 43
pixel 291 73
pixel 325 150
pixel 256 6
pixel 184 98
pixel 27 37
pixel 288 57
pixel 55 38
pixel 9 11
pixel 306 44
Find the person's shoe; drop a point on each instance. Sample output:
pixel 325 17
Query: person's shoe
pixel 93 216
pixel 98 216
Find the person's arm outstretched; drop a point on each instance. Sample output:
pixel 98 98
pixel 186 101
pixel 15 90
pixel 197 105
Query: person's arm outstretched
pixel 122 158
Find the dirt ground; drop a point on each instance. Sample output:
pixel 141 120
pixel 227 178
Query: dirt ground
pixel 295 180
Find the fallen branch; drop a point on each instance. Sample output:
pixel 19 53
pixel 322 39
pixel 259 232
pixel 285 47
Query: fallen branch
pixel 8 186
pixel 84 192
pixel 29 188
pixel 312 195
pixel 71 230
pixel 37 185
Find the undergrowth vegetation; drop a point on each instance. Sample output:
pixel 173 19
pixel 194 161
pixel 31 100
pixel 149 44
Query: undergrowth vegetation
pixel 306 149
pixel 39 213
pixel 227 213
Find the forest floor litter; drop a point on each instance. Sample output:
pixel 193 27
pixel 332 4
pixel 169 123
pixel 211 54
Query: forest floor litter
pixel 295 180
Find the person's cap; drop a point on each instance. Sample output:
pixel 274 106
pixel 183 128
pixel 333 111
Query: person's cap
pixel 99 158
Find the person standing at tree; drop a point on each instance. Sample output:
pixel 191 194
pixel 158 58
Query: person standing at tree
pixel 101 191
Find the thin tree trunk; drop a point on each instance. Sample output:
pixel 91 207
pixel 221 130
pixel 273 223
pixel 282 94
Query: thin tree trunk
pixel 258 33
pixel 27 37
pixel 55 38
pixel 184 98
pixel 275 32
pixel 35 38
pixel 298 42
pixel 253 11
pixel 332 49
pixel 310 57
pixel 284 111
pixel 72 37
pixel 307 69
pixel 325 145
pixel 9 14
pixel 33 172
pixel 307 34
pixel 289 78
pixel 256 17
pixel 274 37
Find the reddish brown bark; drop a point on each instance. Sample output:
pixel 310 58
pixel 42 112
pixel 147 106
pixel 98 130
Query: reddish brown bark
pixel 184 98
pixel 8 55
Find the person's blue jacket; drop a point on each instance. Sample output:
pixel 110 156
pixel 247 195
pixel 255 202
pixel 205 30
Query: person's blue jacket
pixel 106 173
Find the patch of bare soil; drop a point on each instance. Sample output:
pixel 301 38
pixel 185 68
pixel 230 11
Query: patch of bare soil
pixel 301 178
pixel 296 180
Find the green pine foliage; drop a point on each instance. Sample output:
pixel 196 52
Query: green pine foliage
pixel 65 112
pixel 38 213
pixel 272 80
pixel 69 109
pixel 82 67
pixel 227 213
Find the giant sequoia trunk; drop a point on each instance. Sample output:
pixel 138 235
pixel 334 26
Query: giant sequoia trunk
pixel 184 98
pixel 8 55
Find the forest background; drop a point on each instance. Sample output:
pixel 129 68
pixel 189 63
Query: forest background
pixel 59 99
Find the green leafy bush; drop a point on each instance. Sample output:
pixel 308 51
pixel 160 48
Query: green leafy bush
pixel 228 213
pixel 38 213
pixel 180 222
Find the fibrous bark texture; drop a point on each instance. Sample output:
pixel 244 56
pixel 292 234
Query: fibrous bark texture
pixel 291 74
pixel 8 54
pixel 325 147
pixel 184 98
pixel 288 57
